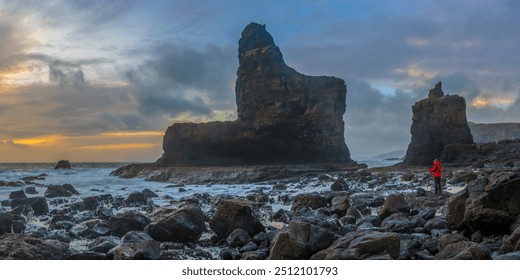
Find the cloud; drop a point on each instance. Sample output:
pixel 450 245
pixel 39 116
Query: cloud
pixel 181 79
pixel 10 143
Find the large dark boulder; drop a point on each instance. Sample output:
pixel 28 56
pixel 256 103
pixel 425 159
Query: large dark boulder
pixel 6 223
pixel 359 245
pixel 65 190
pixel 283 116
pixel 394 203
pixel 185 224
pixel 122 223
pixel 21 247
pixel 489 205
pixel 232 214
pixel 38 204
pixel 437 121
pixel 299 241
pixel 63 164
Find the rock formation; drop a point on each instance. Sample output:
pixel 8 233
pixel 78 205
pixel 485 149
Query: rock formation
pixel 283 116
pixel 494 132
pixel 437 121
pixel 63 164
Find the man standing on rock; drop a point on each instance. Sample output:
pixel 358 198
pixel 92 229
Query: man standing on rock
pixel 436 171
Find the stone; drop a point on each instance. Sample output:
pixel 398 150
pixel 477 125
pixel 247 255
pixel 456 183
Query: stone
pixel 238 238
pixel 283 116
pixel 359 245
pixel 464 250
pixel 21 247
pixel 299 241
pixel 17 194
pixel 63 164
pixel 394 203
pixel 185 224
pixel 397 222
pixel 339 185
pixel 38 204
pixel 136 199
pixel 122 223
pixel 311 200
pixel 232 214
pixel 65 190
pixel 6 223
pixel 340 205
pixel 437 121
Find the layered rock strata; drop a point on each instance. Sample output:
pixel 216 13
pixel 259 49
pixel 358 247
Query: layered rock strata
pixel 494 132
pixel 437 121
pixel 283 116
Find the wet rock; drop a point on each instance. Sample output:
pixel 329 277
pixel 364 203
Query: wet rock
pixel 360 245
pixel 63 164
pixel 136 199
pixel 313 201
pixel 254 255
pixel 450 238
pixel 65 190
pixel 104 244
pixel 339 185
pixel 92 202
pixel 394 203
pixel 232 214
pixel 238 238
pixel 17 194
pixel 6 223
pixel 397 222
pixel 136 236
pixel 38 204
pixel 436 223
pixel 21 247
pixel 145 250
pixel 340 205
pixel 465 250
pixel 127 221
pixel 512 243
pixel 90 229
pixel 299 241
pixel 508 256
pixel 64 222
pixel 31 190
pixel 183 225
pixel 149 193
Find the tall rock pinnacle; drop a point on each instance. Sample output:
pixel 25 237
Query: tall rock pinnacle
pixel 283 116
pixel 437 121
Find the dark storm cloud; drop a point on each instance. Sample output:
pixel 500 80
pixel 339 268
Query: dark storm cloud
pixel 376 122
pixel 181 79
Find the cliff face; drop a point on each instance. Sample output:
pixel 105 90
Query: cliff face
pixel 437 121
pixel 283 116
pixel 494 132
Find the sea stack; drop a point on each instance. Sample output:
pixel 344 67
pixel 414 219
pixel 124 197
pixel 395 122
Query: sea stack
pixel 437 121
pixel 284 117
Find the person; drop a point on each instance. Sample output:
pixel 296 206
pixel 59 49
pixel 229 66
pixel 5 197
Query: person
pixel 436 170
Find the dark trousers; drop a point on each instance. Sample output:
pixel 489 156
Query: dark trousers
pixel 437 181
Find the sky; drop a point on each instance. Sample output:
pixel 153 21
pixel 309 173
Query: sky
pixel 102 80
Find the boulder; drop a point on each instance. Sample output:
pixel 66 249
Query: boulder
pixel 312 200
pixel 437 121
pixel 122 223
pixel 299 241
pixel 340 205
pixel 489 205
pixel 512 243
pixel 238 238
pixel 359 245
pixel 17 194
pixel 21 247
pixel 394 203
pixel 38 204
pixel 464 250
pixel 283 116
pixel 136 199
pixel 339 185
pixel 397 222
pixel 185 224
pixel 65 190
pixel 232 214
pixel 63 164
pixel 6 223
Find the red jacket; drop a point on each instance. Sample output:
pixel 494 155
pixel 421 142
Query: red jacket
pixel 436 169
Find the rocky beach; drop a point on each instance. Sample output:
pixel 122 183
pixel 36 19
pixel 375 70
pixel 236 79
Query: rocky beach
pixel 278 183
pixel 369 213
